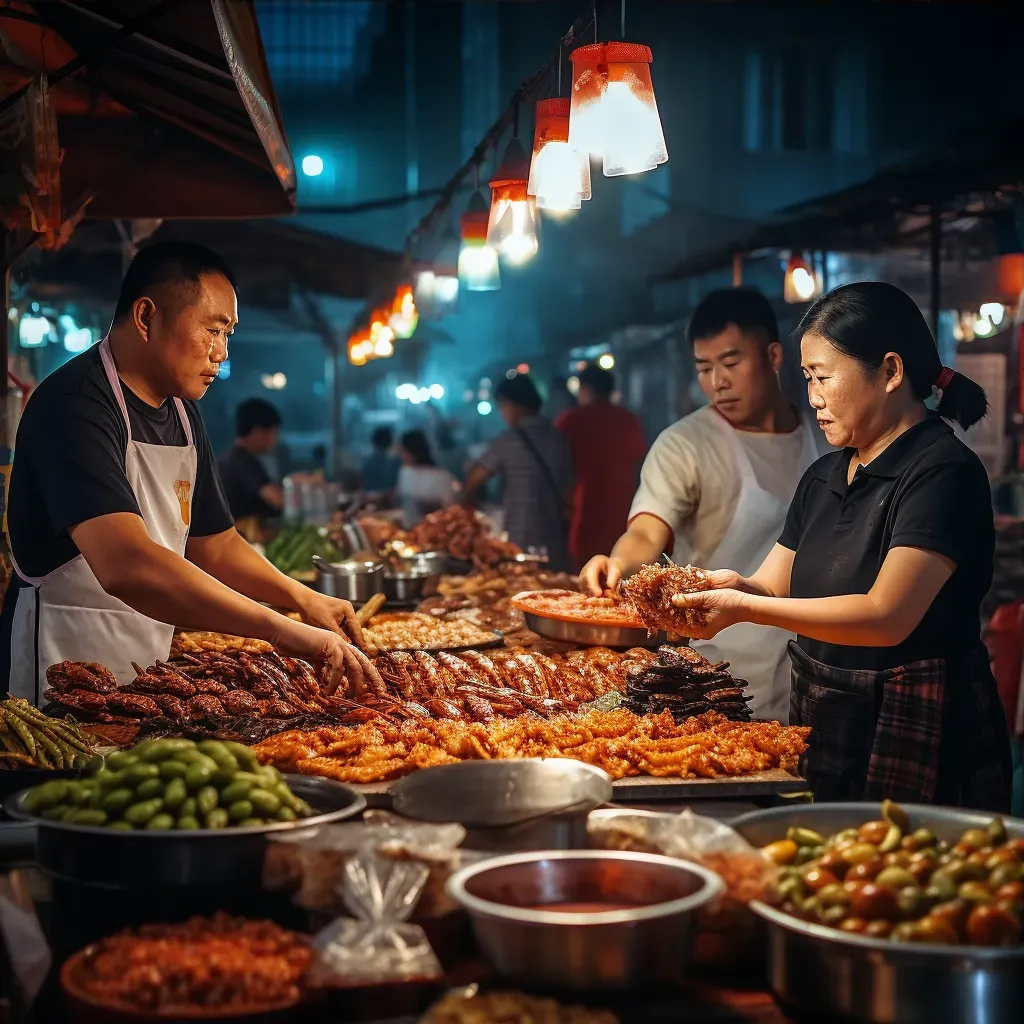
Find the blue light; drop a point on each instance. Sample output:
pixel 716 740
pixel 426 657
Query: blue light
pixel 484 408
pixel 312 165
pixel 225 370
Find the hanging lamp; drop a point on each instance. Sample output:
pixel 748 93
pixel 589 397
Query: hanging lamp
pixel 559 174
pixel 801 283
pixel 404 315
pixel 613 113
pixel 478 262
pixel 360 348
pixel 512 226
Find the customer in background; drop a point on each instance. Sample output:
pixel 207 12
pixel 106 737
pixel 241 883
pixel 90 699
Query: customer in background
pixel 250 491
pixel 608 449
pixel 535 464
pixel 380 468
pixel 423 486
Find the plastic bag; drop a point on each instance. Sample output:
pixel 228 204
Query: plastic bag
pixel 377 944
pixel 725 923
pixel 313 863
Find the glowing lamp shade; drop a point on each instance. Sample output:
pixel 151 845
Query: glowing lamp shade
pixel 360 348
pixel 801 283
pixel 512 226
pixel 614 115
pixel 404 316
pixel 559 174
pixel 478 262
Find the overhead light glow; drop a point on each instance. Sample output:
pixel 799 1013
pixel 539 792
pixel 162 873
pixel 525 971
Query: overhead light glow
pixel 994 311
pixel 983 326
pixel 34 331
pixel 800 284
pixel 512 225
pixel 572 385
pixel 312 165
pixel 484 408
pixel 467 395
pixel 405 391
pixel 607 361
pixel 274 381
pixel 559 173
pixel 436 392
pixel 478 262
pixel 523 368
pixel 511 374
pixel 424 394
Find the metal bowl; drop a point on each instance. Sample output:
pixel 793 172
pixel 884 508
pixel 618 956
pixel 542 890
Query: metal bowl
pixel 409 588
pixel 533 804
pixel 593 634
pixel 646 944
pixel 355 580
pixel 824 971
pixel 421 563
pixel 229 856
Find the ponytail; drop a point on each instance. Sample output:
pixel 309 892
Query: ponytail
pixel 961 399
pixel 867 319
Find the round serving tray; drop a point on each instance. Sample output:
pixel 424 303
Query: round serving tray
pixel 228 856
pixel 591 634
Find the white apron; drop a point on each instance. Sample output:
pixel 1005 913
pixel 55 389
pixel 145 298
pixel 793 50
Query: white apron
pixel 66 615
pixel 758 654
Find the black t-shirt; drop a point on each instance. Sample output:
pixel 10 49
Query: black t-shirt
pixel 243 476
pixel 69 466
pixel 926 490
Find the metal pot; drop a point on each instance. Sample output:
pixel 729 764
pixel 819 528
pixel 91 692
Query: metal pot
pixel 408 588
pixel 228 856
pixel 648 943
pixel 355 580
pixel 421 563
pixel 824 971
pixel 533 804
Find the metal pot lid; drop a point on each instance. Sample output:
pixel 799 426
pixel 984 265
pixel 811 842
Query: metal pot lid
pixel 501 793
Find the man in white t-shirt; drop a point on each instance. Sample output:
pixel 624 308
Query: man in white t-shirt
pixel 716 485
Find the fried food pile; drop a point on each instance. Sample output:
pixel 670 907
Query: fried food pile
pixel 195 687
pixel 456 530
pixel 483 685
pixel 685 683
pixel 416 631
pixel 623 744
pixel 200 642
pixel 223 963
pixel 651 591
pixel 485 597
pixel 511 1008
pixel 608 610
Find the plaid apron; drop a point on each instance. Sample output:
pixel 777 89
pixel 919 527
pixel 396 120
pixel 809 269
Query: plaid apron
pixel 931 732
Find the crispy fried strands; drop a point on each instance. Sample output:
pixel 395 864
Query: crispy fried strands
pixel 620 742
pixel 415 631
pixel 220 963
pixel 651 591
pixel 569 604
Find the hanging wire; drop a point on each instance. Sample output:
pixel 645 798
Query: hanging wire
pixel 559 92
pixel 595 20
pixel 622 20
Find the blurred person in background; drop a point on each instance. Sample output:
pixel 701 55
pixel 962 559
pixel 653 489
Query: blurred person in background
pixel 250 491
pixel 608 448
pixel 535 464
pixel 423 486
pixel 715 486
pixel 381 466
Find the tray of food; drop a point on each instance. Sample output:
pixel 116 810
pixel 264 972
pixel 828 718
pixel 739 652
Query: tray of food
pixel 417 631
pixel 920 905
pixel 173 812
pixel 573 617
pixel 163 972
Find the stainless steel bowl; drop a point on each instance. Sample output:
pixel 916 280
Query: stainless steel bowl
pixel 646 944
pixel 408 588
pixel 422 563
pixel 229 856
pixel 355 580
pixel 533 804
pixel 825 971
pixel 594 634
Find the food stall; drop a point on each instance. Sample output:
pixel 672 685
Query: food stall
pixel 488 830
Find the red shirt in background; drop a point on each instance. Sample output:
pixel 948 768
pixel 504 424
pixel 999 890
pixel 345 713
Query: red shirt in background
pixel 608 448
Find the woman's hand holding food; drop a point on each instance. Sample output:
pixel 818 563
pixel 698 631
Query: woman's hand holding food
pixel 721 608
pixel 343 666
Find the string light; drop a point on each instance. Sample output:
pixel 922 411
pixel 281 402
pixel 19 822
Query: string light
pixel 478 261
pixel 512 226
pixel 559 173
pixel 800 284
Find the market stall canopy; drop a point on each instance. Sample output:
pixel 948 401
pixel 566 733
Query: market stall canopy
pixel 978 174
pixel 163 108
pixel 268 257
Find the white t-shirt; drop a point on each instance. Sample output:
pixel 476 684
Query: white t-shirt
pixel 689 479
pixel 423 489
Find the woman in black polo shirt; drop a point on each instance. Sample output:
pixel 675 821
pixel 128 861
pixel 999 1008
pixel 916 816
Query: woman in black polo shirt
pixel 882 566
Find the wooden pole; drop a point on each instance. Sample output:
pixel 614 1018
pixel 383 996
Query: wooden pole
pixel 737 269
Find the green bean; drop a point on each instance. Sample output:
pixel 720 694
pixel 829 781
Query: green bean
pixel 23 732
pixel 50 747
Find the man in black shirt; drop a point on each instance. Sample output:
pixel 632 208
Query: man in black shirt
pixel 117 519
pixel 247 484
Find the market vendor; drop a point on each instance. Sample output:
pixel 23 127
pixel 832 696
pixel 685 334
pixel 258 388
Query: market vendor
pixel 118 524
pixel 881 568
pixel 715 486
